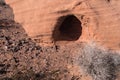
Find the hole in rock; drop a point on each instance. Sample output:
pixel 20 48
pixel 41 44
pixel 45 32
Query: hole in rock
pixel 68 29
pixel 108 0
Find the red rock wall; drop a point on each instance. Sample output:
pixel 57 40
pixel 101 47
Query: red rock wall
pixel 99 19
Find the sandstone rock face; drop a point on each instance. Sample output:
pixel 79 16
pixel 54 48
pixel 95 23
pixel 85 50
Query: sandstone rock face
pixel 76 21
pixel 97 20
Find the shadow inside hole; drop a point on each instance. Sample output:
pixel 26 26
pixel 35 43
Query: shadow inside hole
pixel 68 28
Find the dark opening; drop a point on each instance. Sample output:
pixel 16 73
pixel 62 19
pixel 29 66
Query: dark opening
pixel 69 30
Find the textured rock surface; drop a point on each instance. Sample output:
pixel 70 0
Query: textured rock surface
pixel 5 11
pixel 22 59
pixel 99 18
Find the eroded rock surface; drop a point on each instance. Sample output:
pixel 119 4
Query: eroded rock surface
pixel 21 58
pixel 99 19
